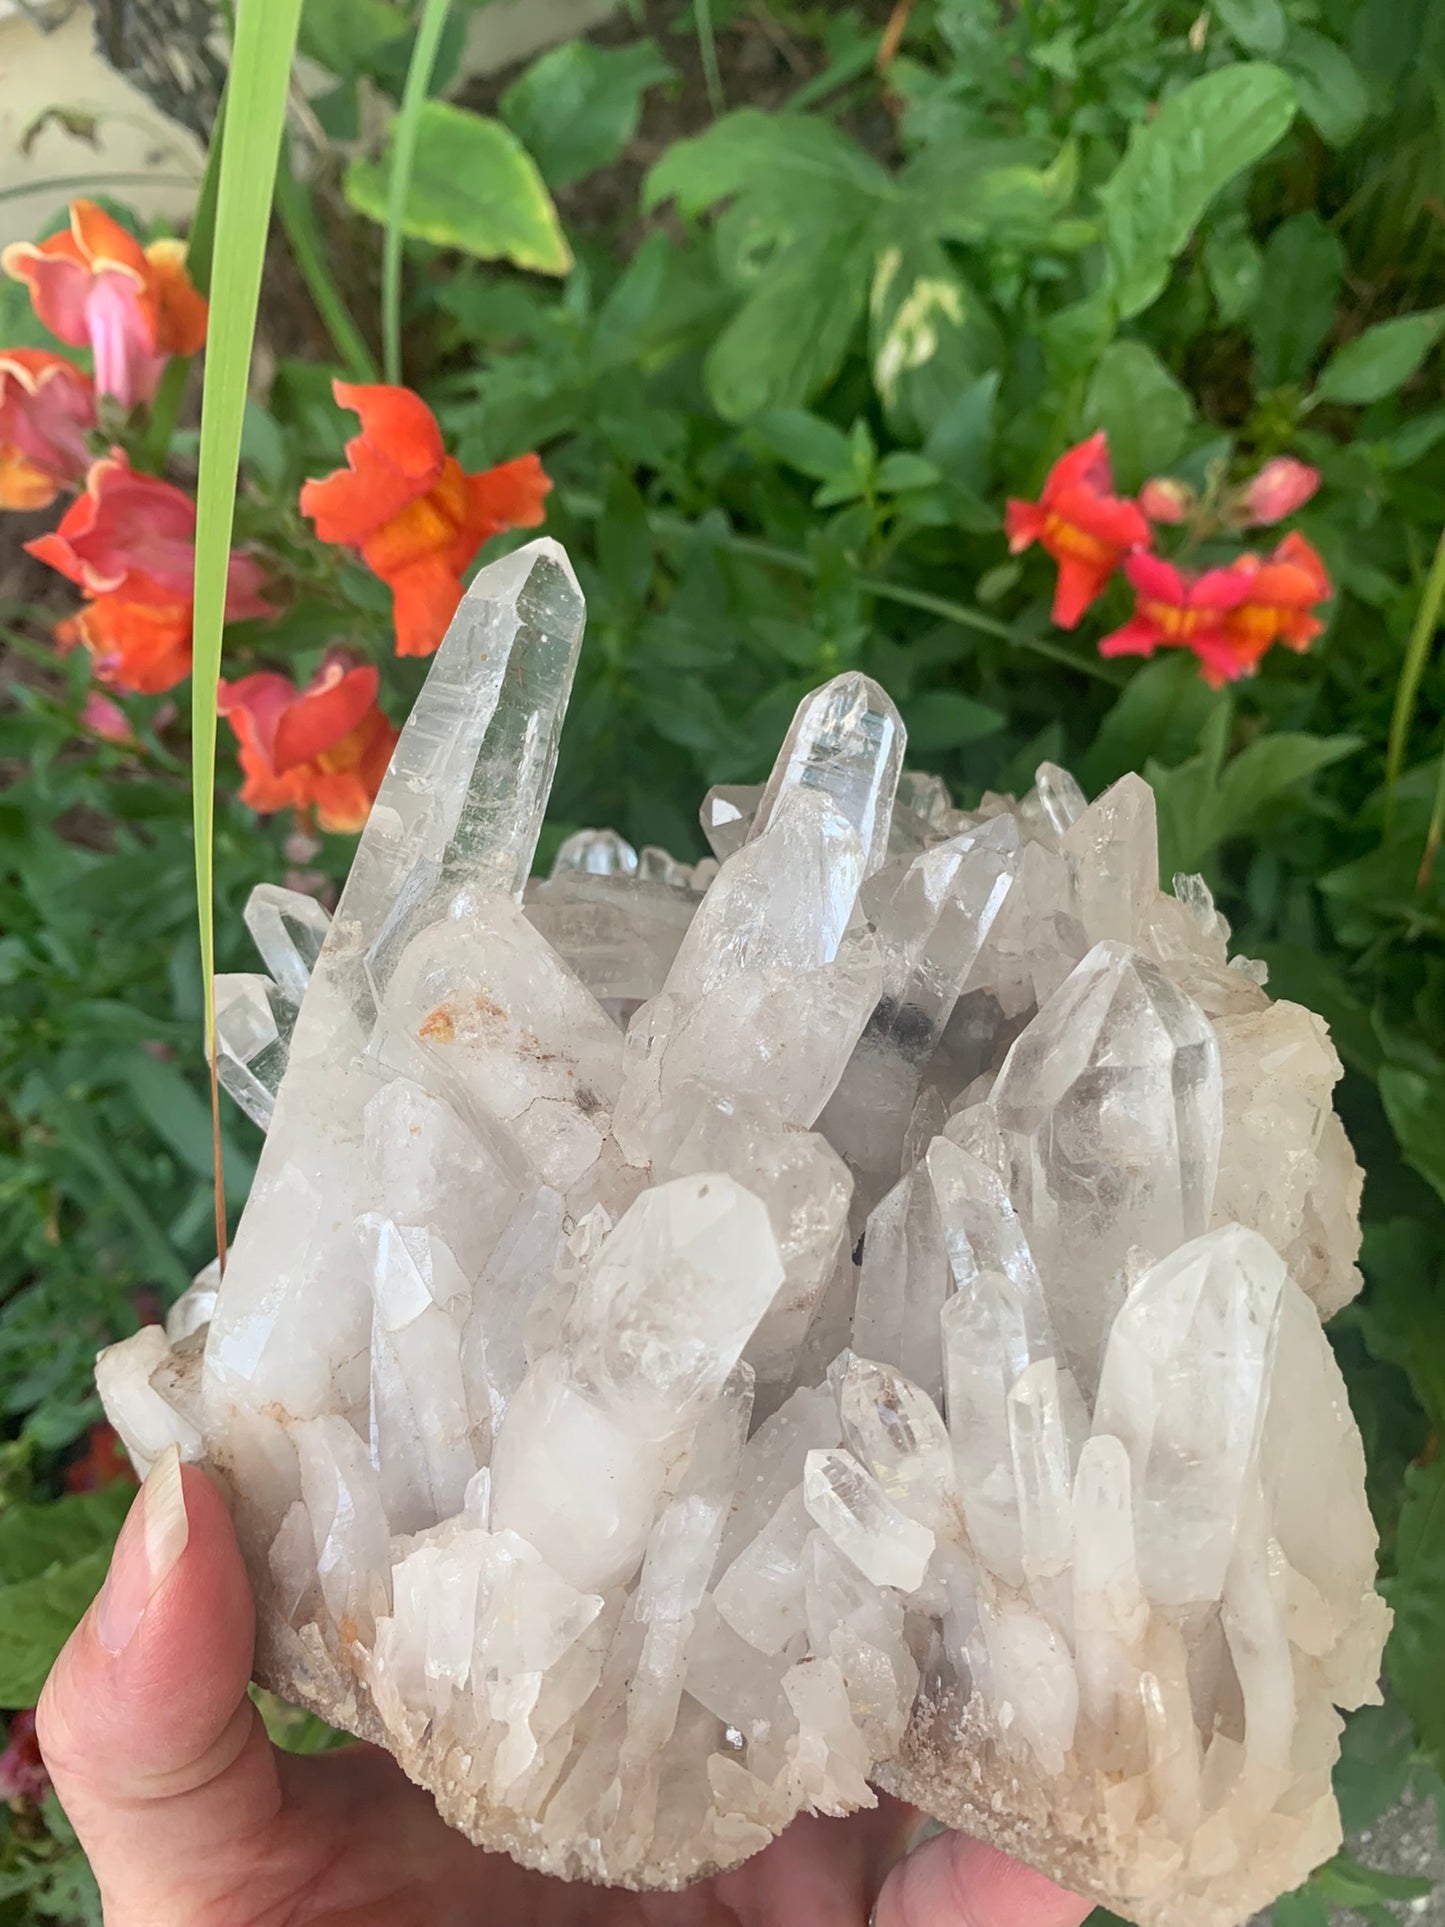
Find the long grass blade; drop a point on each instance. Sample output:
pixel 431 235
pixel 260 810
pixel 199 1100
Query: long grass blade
pixel 707 53
pixel 403 158
pixel 265 41
pixel 1412 669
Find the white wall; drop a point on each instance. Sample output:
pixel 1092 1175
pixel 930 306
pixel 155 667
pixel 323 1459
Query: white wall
pixel 143 158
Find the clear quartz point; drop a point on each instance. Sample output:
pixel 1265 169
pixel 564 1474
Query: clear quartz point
pixel 707 1341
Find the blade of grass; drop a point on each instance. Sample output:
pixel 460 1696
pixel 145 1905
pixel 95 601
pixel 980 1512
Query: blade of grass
pixel 707 53
pixel 404 133
pixel 298 217
pixel 200 245
pixel 1434 832
pixel 265 40
pixel 1412 669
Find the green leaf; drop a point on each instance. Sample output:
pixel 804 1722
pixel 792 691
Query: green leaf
pixel 960 441
pixel 930 333
pixel 1144 410
pixel 1159 717
pixel 37 1617
pixel 1259 26
pixel 944 719
pixel 1303 1908
pixel 1414 1102
pixel 1204 802
pixel 789 338
pixel 1381 360
pixel 1417 1594
pixel 1373 1770
pixel 1331 89
pixel 473 187
pixel 1234 268
pixel 1346 1883
pixel 577 107
pixel 1011 207
pixel 1199 141
pixel 34 1537
pixel 902 470
pixel 1270 765
pixel 805 442
pixel 784 156
pixel 1304 267
pixel 624 542
pixel 345 36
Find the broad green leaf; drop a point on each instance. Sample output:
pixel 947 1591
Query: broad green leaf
pixel 1414 1102
pixel 345 36
pixel 805 442
pixel 1331 88
pixel 473 187
pixel 1381 360
pixel 930 334
pixel 1201 138
pixel 37 1617
pixel 1417 1593
pixel 1234 267
pixel 1259 26
pixel 1144 410
pixel 1373 1770
pixel 1159 717
pixel 34 1537
pixel 1204 802
pixel 1270 765
pixel 1403 1316
pixel 783 156
pixel 1305 1907
pixel 577 107
pixel 1345 1883
pixel 788 340
pixel 1011 206
pixel 624 541
pixel 902 469
pixel 960 440
pixel 944 719
pixel 1304 267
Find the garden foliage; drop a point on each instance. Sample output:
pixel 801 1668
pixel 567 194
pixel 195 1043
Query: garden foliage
pixel 791 382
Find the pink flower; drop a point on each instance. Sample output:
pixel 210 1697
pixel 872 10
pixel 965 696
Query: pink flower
pixel 1165 500
pixel 106 719
pixel 94 286
pixel 47 407
pixel 1281 487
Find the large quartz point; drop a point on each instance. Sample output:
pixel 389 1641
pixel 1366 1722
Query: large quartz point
pixel 705 1342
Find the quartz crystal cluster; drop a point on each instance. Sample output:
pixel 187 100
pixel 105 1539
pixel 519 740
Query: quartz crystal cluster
pixel 706 1341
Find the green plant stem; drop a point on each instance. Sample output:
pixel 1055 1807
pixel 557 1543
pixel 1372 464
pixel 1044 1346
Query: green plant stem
pixel 260 76
pixel 707 52
pixel 403 156
pixel 674 528
pixel 1412 669
pixel 200 246
pixel 1435 831
pixel 298 219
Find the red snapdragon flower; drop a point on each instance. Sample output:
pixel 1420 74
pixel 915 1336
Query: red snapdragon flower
pixel 94 286
pixel 47 408
pixel 104 1462
pixel 1281 487
pixel 1176 611
pixel 416 518
pixel 324 747
pixel 129 542
pixel 1083 525
pixel 22 1770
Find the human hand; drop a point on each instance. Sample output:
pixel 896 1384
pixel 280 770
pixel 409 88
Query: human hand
pixel 192 1819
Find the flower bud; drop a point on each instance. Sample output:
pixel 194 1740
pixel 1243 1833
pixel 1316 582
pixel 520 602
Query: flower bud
pixel 1165 500
pixel 1281 487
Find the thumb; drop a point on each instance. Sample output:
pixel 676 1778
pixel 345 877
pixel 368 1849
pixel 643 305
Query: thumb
pixel 953 1881
pixel 158 1756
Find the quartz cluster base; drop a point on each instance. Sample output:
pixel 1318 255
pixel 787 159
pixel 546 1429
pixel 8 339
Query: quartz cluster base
pixel 706 1341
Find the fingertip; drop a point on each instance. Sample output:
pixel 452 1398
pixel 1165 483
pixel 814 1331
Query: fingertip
pixel 152 1677
pixel 955 1881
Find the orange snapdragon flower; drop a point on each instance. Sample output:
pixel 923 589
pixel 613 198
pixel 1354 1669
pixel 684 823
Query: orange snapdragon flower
pixel 47 408
pixel 94 286
pixel 1282 592
pixel 324 747
pixel 416 517
pixel 1173 610
pixel 1083 525
pixel 129 542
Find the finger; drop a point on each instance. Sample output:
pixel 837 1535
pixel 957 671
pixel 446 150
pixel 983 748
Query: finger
pixel 157 1754
pixel 952 1881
